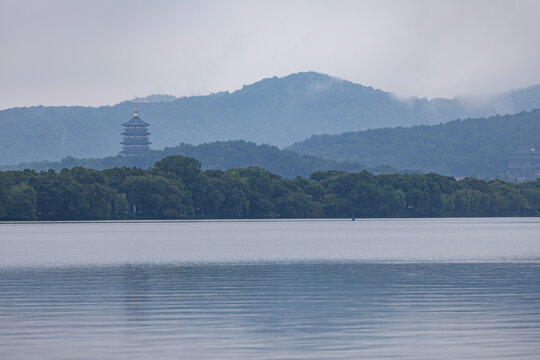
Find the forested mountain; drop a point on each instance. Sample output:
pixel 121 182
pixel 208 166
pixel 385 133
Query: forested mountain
pixel 221 155
pixel 468 147
pixel 278 111
pixel 177 188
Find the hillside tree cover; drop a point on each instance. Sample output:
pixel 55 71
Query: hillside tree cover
pixel 177 188
pixel 471 147
pixel 219 155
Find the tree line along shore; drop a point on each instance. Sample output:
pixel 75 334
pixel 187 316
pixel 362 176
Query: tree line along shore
pixel 176 188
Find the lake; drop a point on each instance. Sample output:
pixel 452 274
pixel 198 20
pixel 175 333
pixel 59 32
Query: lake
pixel 276 289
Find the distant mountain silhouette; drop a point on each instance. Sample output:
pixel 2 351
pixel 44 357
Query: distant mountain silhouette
pixel 471 147
pixel 155 98
pixel 278 111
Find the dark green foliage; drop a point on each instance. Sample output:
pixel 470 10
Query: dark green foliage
pixel 154 196
pixel 3 195
pixel 177 188
pixel 21 203
pixel 220 155
pixel 472 147
pixel 278 111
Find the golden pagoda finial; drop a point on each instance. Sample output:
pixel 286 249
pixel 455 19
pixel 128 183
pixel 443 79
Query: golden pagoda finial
pixel 136 109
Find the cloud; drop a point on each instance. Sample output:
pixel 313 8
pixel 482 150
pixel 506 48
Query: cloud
pixel 101 52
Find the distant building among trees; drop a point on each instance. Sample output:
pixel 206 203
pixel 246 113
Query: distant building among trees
pixel 135 136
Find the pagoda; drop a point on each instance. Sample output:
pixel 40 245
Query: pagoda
pixel 135 136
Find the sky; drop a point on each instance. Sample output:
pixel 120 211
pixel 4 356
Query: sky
pixel 98 52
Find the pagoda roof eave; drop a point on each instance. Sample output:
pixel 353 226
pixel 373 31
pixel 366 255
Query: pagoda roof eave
pixel 135 121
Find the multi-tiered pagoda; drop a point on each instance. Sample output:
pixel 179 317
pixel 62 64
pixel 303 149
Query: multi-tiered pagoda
pixel 135 136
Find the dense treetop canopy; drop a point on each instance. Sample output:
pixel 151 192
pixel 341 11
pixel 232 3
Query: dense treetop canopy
pixel 177 188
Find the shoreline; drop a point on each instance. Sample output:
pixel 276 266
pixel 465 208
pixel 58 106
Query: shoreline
pixel 158 221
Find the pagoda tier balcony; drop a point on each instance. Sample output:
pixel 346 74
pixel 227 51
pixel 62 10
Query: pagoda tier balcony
pixel 136 133
pixel 126 153
pixel 135 145
pixel 136 138
pixel 136 142
pixel 135 127
pixel 135 148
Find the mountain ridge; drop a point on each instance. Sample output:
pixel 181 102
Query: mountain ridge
pixel 279 111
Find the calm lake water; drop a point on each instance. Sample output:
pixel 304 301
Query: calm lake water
pixel 323 289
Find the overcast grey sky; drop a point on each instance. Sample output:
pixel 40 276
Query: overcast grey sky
pixel 101 52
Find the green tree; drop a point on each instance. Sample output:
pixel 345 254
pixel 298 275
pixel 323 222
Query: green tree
pixel 21 203
pixel 155 196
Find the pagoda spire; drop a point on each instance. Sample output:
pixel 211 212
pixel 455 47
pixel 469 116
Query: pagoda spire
pixel 135 108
